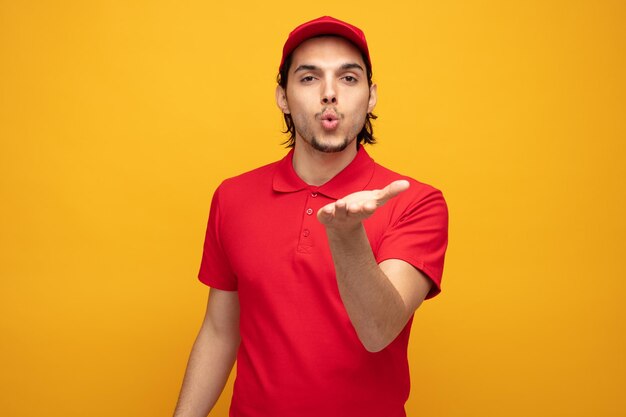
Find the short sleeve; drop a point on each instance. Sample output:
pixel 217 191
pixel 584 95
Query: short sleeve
pixel 419 236
pixel 215 269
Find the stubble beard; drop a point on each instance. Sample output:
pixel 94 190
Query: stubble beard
pixel 329 147
pixel 309 137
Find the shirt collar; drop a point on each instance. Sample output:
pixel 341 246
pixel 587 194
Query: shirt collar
pixel 355 177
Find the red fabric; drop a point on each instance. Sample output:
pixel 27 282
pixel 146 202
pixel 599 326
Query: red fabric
pixel 299 354
pixel 325 25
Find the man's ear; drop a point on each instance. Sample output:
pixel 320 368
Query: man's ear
pixel 281 100
pixel 373 98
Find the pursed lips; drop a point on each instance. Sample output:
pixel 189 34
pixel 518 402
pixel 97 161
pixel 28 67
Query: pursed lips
pixel 329 119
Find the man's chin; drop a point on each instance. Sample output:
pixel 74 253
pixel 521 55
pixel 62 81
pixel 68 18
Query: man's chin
pixel 329 147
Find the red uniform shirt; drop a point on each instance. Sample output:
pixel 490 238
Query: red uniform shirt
pixel 299 354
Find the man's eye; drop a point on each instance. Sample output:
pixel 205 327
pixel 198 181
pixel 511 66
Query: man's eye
pixel 307 79
pixel 350 79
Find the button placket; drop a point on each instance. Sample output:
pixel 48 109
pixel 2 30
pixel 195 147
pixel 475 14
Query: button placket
pixel 306 241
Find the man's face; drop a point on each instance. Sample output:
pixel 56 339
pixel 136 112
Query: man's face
pixel 327 93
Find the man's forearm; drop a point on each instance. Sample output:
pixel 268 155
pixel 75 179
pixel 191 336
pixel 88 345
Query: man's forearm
pixel 379 299
pixel 374 306
pixel 210 362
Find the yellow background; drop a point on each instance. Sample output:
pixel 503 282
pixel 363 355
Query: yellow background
pixel 119 118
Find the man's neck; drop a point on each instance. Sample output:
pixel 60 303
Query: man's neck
pixel 317 168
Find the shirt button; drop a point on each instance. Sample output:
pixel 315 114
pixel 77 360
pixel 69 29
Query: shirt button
pixel 309 211
pixel 306 232
pixel 313 195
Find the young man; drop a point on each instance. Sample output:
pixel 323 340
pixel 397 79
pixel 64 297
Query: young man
pixel 317 262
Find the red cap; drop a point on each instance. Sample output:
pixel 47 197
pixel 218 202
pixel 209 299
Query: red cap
pixel 325 25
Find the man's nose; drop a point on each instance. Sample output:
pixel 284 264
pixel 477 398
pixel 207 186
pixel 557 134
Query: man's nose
pixel 329 95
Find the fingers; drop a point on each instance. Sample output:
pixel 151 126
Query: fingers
pixel 361 205
pixel 344 211
pixel 362 208
pixel 392 190
pixel 325 214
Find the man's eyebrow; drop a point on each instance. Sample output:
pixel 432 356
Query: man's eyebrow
pixel 307 67
pixel 352 66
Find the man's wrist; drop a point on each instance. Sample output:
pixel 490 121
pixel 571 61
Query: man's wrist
pixel 345 234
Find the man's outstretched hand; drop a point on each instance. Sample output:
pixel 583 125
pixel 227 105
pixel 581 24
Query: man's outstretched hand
pixel 348 212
